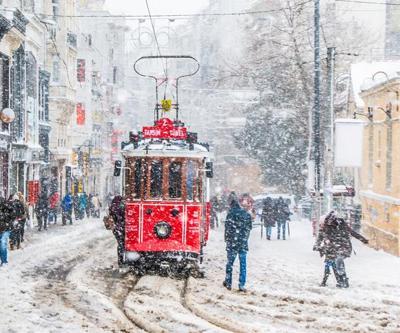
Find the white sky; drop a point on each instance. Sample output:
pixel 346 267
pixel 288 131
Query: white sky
pixel 138 7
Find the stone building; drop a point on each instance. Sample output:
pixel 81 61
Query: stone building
pixel 380 181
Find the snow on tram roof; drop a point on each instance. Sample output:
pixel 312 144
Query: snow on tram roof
pixel 167 148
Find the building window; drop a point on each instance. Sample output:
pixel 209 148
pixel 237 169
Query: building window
pixel 81 70
pixel 55 9
pixel 56 69
pixel 370 154
pixel 389 148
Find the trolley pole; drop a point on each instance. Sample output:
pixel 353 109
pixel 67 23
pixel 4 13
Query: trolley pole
pixel 330 130
pixel 316 119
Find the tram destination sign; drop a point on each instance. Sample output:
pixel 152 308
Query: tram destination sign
pixel 165 129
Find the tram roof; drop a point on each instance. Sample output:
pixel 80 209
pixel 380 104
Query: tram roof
pixel 167 148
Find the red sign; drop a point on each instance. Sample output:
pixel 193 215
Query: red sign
pixel 165 129
pixel 80 114
pixel 33 191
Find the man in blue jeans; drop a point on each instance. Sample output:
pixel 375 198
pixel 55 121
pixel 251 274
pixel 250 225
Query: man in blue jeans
pixel 237 231
pixel 6 219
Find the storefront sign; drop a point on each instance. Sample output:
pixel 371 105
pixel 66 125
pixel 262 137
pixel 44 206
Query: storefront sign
pixel 33 191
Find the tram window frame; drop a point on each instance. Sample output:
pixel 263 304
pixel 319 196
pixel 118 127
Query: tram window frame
pixel 160 183
pixel 197 181
pixel 179 178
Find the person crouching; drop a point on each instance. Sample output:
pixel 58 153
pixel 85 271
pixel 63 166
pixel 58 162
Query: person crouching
pixel 334 242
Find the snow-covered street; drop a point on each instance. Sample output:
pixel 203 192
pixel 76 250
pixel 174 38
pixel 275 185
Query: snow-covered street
pixel 66 280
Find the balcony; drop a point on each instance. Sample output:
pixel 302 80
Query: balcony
pixel 19 21
pixel 72 40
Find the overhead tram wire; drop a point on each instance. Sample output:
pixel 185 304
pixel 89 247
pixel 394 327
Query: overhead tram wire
pixel 365 2
pixel 184 16
pixel 158 47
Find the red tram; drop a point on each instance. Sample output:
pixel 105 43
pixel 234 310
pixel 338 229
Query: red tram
pixel 166 182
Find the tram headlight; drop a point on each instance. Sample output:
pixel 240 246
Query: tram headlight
pixel 162 230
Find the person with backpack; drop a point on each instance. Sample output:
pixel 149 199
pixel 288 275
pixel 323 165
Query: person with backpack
pixel 66 207
pixel 268 216
pixel 334 242
pixel 238 225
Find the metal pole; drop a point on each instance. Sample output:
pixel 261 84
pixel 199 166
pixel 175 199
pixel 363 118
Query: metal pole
pixel 317 111
pixel 330 132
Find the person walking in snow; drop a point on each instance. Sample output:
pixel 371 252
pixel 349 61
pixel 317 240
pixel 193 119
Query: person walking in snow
pixel 6 219
pixel 18 223
pixel 282 217
pixel 66 206
pixel 117 213
pixel 334 242
pixel 237 231
pixel 41 210
pixel 53 206
pixel 83 202
pixel 268 216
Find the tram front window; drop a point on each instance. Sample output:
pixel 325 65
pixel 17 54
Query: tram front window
pixel 175 180
pixel 137 169
pixel 190 178
pixel 156 177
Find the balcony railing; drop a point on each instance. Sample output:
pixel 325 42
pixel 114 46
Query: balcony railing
pixel 72 40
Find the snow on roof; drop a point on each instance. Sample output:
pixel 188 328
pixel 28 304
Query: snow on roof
pixel 362 73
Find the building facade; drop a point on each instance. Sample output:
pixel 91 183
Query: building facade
pixel 380 181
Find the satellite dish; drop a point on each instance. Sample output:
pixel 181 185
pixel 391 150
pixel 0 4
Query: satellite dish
pixel 7 115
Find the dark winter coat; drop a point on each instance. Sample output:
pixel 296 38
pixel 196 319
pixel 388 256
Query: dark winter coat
pixel 117 212
pixel 7 216
pixel 268 215
pixel 334 239
pixel 282 212
pixel 237 228
pixel 42 205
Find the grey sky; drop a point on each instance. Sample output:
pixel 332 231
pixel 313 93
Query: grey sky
pixel 138 7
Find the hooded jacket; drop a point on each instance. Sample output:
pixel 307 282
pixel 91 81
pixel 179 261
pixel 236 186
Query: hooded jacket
pixel 334 238
pixel 237 228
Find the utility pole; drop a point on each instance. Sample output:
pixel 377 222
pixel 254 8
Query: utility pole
pixel 330 130
pixel 316 114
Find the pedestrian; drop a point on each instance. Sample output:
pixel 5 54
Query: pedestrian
pixel 85 205
pixel 89 210
pixel 117 213
pixel 334 242
pixel 75 200
pixel 214 204
pixel 237 231
pixel 282 217
pixel 66 207
pixel 268 216
pixel 18 224
pixel 53 206
pixel 96 205
pixel 25 216
pixel 42 210
pixel 109 199
pixel 6 219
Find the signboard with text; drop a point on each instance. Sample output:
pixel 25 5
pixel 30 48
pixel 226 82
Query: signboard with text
pixel 165 129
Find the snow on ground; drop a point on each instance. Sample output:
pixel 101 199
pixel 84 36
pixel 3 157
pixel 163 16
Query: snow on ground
pixel 64 281
pixel 284 293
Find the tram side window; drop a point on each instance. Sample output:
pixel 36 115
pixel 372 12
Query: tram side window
pixel 175 180
pixel 156 179
pixel 190 179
